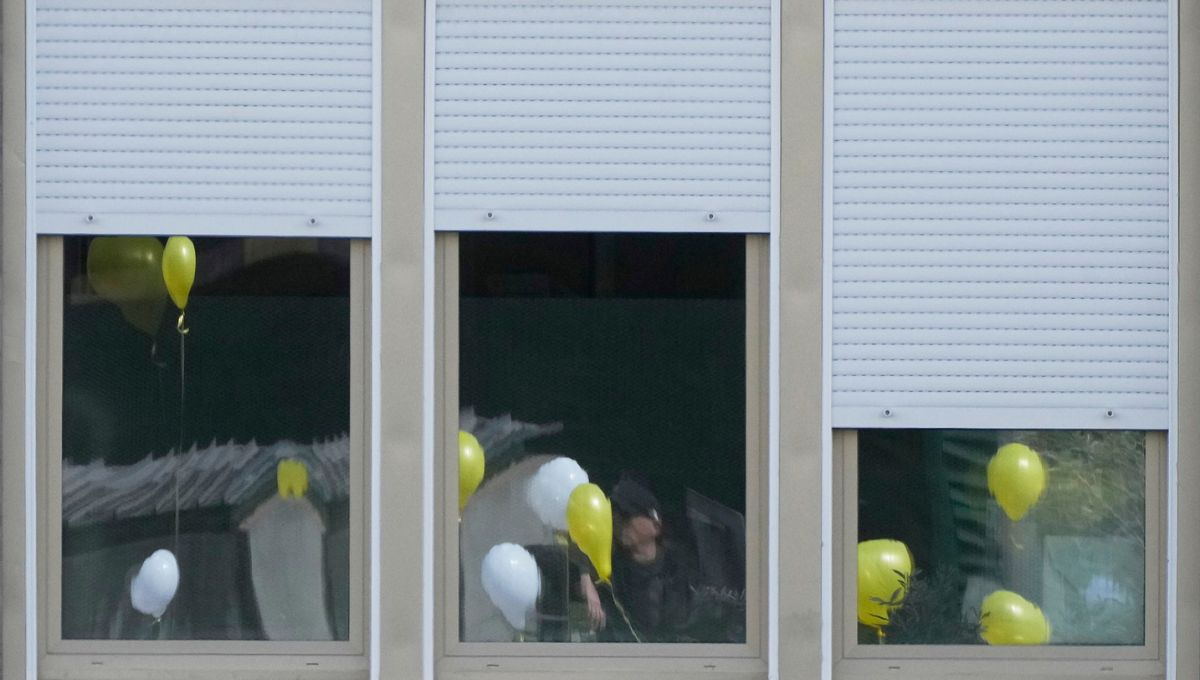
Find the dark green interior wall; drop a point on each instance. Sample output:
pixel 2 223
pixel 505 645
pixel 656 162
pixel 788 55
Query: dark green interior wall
pixel 267 368
pixel 656 386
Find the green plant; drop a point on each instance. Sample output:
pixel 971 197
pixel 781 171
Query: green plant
pixel 930 613
pixel 1095 483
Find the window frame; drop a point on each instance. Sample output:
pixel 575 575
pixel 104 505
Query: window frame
pixel 455 658
pixel 853 659
pixel 84 658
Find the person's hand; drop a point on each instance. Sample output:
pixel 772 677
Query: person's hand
pixel 596 617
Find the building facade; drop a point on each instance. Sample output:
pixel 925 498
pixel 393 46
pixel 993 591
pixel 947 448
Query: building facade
pixel 774 339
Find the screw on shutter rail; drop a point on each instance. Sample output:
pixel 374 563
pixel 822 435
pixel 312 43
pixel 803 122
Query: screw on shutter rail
pixel 887 413
pixel 489 215
pixel 91 218
pixel 312 221
pixel 1110 413
pixel 711 217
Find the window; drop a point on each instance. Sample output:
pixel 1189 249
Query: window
pixel 204 492
pixel 1000 544
pixel 639 358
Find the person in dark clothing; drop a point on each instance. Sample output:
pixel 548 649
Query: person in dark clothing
pixel 650 572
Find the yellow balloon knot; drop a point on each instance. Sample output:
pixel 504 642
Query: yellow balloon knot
pixel 292 478
pixel 183 330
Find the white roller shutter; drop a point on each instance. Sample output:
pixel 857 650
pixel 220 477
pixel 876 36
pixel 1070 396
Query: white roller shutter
pixel 204 116
pixel 1001 213
pixel 603 114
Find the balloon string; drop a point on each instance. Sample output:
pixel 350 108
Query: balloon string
pixel 179 450
pixel 567 591
pixel 612 591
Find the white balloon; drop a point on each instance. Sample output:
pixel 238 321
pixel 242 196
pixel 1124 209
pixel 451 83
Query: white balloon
pixel 155 584
pixel 511 579
pixel 551 486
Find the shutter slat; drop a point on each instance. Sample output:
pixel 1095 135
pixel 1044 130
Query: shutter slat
pixel 1077 179
pixel 1004 257
pixel 269 82
pixel 1107 70
pixel 619 170
pixel 996 57
pixel 733 61
pixel 662 46
pixel 1001 384
pixel 1057 408
pixel 498 151
pixel 1016 290
pixel 1016 208
pixel 685 14
pixel 108 174
pixel 968 112
pixel 899 338
pixel 611 202
pixel 664 109
pixel 154 34
pixel 99 143
pixel 1085 8
pixel 1007 162
pixel 985 22
pixel 219 207
pixel 858 358
pixel 1034 37
pixel 978 242
pixel 206 127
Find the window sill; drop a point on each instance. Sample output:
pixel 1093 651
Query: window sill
pixel 193 666
pixel 980 669
pixel 602 668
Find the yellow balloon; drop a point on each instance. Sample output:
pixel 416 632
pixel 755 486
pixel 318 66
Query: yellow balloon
pixel 126 271
pixel 179 269
pixel 1006 618
pixel 1016 478
pixel 470 467
pixel 590 524
pixel 291 478
pixel 884 568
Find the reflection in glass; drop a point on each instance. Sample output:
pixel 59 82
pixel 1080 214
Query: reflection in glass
pixel 627 355
pixel 977 518
pixel 255 503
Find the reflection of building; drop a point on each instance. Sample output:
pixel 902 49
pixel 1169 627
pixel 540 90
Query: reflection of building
pixel 239 476
pixel 293 551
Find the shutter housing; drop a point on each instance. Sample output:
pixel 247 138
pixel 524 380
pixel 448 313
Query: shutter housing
pixel 1001 213
pixel 212 117
pixel 626 116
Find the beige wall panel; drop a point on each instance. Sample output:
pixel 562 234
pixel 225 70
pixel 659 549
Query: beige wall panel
pixel 1187 656
pixel 12 341
pixel 800 243
pixel 401 295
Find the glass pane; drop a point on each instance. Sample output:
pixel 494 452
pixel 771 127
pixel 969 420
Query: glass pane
pixel 1012 537
pixel 245 534
pixel 621 358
